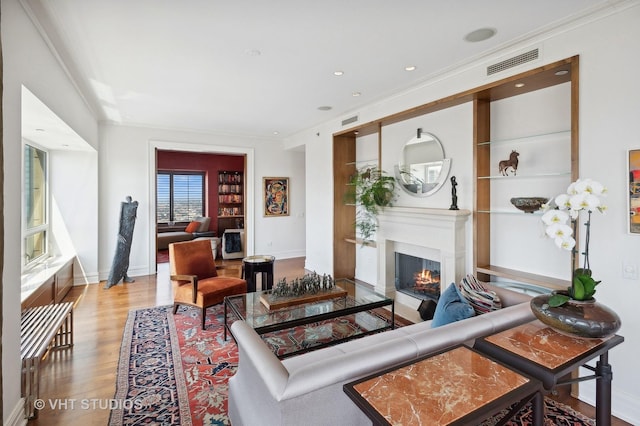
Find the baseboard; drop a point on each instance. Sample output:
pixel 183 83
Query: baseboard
pixel 86 279
pixel 623 405
pixel 16 418
pixel 289 254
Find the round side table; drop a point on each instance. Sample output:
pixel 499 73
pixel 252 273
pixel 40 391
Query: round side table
pixel 252 265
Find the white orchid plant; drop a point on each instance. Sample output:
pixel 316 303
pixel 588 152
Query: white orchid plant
pixel 582 195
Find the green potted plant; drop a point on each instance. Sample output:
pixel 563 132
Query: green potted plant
pixel 371 190
pixel 575 310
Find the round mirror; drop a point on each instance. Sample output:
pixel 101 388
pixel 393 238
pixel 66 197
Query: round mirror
pixel 422 168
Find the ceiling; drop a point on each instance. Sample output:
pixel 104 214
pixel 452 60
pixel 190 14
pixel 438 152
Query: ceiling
pixel 264 68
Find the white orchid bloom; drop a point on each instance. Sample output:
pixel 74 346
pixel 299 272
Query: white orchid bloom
pixel 589 186
pixel 562 201
pixel 555 216
pixel 559 230
pixel 584 201
pixel 566 243
pixel 602 208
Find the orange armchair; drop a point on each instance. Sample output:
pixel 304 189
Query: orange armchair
pixel 195 279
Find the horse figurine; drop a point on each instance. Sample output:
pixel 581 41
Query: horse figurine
pixel 512 162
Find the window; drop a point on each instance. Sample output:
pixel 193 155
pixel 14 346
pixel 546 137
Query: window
pixel 36 226
pixel 179 196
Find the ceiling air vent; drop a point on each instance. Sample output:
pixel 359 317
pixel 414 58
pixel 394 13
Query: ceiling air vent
pixel 529 56
pixel 349 120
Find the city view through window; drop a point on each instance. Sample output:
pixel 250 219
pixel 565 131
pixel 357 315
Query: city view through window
pixel 179 196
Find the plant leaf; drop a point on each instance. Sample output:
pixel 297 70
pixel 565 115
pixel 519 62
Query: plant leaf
pixel 577 288
pixel 558 300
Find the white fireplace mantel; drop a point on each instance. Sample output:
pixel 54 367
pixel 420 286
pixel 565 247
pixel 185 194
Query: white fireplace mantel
pixel 438 234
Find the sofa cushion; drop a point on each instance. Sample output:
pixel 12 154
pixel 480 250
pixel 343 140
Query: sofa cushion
pixel 192 227
pixel 204 224
pixel 479 297
pixel 451 307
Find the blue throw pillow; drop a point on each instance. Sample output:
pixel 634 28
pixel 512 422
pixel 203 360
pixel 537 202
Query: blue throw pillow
pixel 451 307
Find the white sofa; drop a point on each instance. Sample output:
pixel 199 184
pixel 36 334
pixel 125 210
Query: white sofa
pixel 307 389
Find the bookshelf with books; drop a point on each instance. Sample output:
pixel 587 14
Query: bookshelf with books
pixel 230 200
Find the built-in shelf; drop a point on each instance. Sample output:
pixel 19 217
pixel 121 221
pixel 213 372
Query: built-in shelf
pixel 360 242
pixel 541 178
pixel 536 176
pixel 514 211
pixel 530 138
pixel 524 277
pixel 373 161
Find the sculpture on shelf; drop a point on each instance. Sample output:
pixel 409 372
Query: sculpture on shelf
pixel 512 162
pixel 454 194
pixel 120 264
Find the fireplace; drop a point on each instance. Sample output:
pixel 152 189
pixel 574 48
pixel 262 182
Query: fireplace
pixel 436 237
pixel 416 276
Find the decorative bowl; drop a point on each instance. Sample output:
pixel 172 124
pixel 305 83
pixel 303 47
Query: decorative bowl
pixel 528 204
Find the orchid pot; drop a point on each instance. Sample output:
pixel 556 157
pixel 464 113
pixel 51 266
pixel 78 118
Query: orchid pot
pixel 575 311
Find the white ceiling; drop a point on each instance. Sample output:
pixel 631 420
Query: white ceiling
pixel 256 67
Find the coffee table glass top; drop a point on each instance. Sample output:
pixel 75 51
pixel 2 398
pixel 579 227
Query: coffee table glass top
pixel 250 309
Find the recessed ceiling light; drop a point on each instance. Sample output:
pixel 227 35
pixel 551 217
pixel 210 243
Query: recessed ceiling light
pixel 324 108
pixel 276 132
pixel 518 85
pixel 562 72
pixel 410 68
pixel 480 34
pixel 338 73
pixel 252 52
pixel 356 94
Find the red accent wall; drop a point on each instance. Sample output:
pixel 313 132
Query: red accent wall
pixel 209 163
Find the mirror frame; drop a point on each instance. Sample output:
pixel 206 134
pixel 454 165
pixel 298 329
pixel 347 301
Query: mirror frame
pixel 442 177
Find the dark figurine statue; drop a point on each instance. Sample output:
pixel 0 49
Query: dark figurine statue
pixel 454 194
pixel 512 162
pixel 120 264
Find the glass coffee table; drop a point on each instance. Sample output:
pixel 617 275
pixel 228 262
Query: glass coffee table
pixel 353 309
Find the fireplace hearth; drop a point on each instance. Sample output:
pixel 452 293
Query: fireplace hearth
pixel 417 277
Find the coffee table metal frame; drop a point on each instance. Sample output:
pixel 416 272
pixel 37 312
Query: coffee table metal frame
pixel 551 378
pixel 359 299
pixel 529 391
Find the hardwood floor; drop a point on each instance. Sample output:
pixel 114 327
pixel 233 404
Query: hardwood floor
pixel 75 382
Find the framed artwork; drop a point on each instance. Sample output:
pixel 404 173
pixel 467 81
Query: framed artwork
pixel 276 196
pixel 634 191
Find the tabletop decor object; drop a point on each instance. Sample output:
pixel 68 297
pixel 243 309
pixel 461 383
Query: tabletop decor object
pixel 309 288
pixel 575 311
pixel 529 204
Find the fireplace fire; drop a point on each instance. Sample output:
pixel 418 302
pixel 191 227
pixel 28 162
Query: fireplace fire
pixel 417 277
pixel 426 281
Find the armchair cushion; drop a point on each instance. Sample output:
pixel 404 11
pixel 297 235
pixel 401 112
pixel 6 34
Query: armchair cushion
pixel 211 291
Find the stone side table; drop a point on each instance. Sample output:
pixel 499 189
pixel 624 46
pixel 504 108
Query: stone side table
pixel 457 387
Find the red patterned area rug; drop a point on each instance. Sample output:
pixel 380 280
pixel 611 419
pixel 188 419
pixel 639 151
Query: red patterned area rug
pixel 165 391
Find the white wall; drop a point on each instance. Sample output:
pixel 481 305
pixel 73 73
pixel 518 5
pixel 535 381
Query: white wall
pixel 127 168
pixel 609 126
pixel 29 62
pixel 74 204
